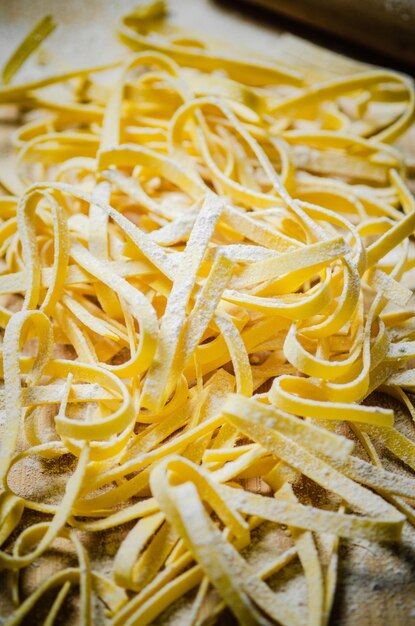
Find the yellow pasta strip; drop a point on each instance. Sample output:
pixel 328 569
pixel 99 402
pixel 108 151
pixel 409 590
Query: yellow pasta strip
pixel 265 419
pixel 314 256
pixel 287 393
pixel 42 29
pixel 59 600
pixel 308 555
pixel 13 392
pixel 238 354
pixel 162 374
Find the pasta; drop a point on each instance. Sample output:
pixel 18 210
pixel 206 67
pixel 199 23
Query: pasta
pixel 205 273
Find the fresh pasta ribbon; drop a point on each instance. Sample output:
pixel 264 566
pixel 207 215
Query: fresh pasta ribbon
pixel 16 328
pixel 42 30
pixel 205 271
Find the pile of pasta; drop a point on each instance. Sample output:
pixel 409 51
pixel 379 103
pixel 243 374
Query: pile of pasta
pixel 205 273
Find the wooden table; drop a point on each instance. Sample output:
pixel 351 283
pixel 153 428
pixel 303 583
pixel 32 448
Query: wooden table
pixel 376 583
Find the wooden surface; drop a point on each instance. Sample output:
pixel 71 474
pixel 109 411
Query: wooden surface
pixel 380 25
pixel 376 583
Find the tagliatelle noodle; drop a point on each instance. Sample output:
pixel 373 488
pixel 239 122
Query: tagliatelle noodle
pixel 205 273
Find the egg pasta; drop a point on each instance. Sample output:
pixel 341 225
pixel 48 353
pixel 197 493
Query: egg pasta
pixel 205 272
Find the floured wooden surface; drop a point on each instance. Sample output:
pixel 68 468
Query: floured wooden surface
pixel 376 584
